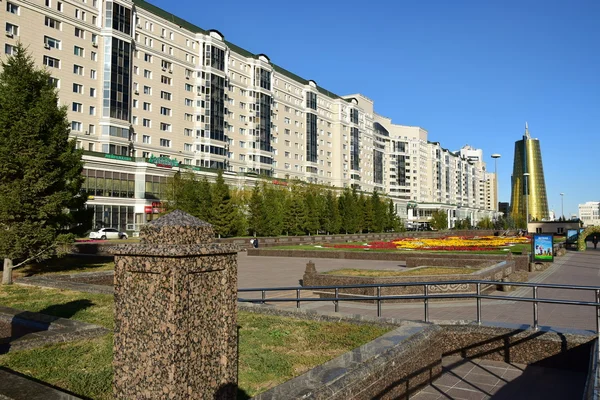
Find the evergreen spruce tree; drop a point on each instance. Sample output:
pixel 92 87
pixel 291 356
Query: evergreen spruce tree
pixel 40 169
pixel 368 215
pixel 256 212
pixel 223 209
pixel 378 212
pixel 296 218
pixel 332 221
pixel 312 213
pixel 273 209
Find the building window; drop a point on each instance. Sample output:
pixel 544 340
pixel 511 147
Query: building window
pixel 165 79
pixel 165 95
pixel 12 30
pixel 94 56
pixel 148 57
pixel 147 90
pixel 165 127
pixel 147 74
pixel 146 123
pixel 91 129
pixel 77 107
pixel 92 110
pixel 78 51
pixel 77 69
pixel 51 62
pixel 146 139
pixel 80 33
pixel 76 126
pixel 165 111
pixel 51 43
pixel 10 49
pixel 165 142
pixel 12 8
pixel 53 81
pixel 52 23
pixel 92 92
pixel 311 100
pixel 93 73
pixel 187 147
pixel 189 102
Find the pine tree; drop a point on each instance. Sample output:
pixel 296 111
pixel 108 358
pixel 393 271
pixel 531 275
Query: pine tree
pixel 296 212
pixel 183 193
pixel 40 168
pixel 312 213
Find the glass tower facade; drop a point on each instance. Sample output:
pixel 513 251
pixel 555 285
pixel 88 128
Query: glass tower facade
pixel 528 188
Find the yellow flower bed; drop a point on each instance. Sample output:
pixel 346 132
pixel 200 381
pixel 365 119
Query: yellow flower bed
pixel 459 242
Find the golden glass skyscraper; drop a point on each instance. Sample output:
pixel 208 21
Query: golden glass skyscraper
pixel 528 191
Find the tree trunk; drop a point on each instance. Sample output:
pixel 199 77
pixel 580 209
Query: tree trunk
pixel 7 272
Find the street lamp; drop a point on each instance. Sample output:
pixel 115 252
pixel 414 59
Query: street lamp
pixel 562 210
pixel 496 156
pixel 526 181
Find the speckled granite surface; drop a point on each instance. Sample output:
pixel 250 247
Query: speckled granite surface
pixel 175 313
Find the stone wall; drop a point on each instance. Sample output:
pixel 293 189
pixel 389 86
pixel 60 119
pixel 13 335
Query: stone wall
pixel 398 364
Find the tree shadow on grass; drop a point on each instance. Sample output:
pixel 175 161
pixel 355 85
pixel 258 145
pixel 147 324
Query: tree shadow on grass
pixel 26 322
pixel 68 263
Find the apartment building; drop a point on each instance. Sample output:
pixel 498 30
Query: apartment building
pixel 149 93
pixel 589 213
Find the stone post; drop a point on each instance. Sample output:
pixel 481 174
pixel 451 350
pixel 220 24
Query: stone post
pixel 175 313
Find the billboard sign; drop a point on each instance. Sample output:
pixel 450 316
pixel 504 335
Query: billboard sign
pixel 542 244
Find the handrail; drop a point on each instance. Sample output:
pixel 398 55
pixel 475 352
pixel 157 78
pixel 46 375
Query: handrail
pixel 426 296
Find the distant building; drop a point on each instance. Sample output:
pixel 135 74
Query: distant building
pixel 589 213
pixel 556 227
pixel 503 207
pixel 528 160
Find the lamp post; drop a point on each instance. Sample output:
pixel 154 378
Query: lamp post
pixel 526 189
pixel 562 210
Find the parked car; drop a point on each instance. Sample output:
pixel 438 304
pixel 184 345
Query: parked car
pixel 108 233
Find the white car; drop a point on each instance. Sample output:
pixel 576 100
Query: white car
pixel 108 233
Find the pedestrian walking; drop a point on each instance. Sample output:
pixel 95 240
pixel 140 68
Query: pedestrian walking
pixel 595 240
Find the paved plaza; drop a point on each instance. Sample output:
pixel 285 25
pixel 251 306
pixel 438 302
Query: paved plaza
pixel 575 268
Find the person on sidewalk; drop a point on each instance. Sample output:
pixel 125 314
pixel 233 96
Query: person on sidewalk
pixel 595 240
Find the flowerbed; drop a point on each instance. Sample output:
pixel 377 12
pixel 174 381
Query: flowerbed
pixel 448 243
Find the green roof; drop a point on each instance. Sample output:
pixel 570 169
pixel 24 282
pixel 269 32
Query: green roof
pixel 196 29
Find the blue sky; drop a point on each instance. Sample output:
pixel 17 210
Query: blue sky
pixel 468 71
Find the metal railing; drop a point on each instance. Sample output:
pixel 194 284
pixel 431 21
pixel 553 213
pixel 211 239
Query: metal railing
pixel 427 296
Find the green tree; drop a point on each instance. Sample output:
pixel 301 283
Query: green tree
pixel 379 212
pixel 368 215
pixel 439 220
pixel 296 212
pixel 205 203
pixel 312 213
pixel 333 221
pixel 273 210
pixel 40 168
pixel 256 211
pixel 392 222
pixel 223 208
pixel 485 223
pixel 182 193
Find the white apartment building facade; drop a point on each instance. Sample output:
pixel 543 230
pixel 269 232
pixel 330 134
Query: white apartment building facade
pixel 149 93
pixel 589 213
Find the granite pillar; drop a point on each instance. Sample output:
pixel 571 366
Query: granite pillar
pixel 175 313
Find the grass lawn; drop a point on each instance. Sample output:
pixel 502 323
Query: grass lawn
pixel 426 271
pixel 272 349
